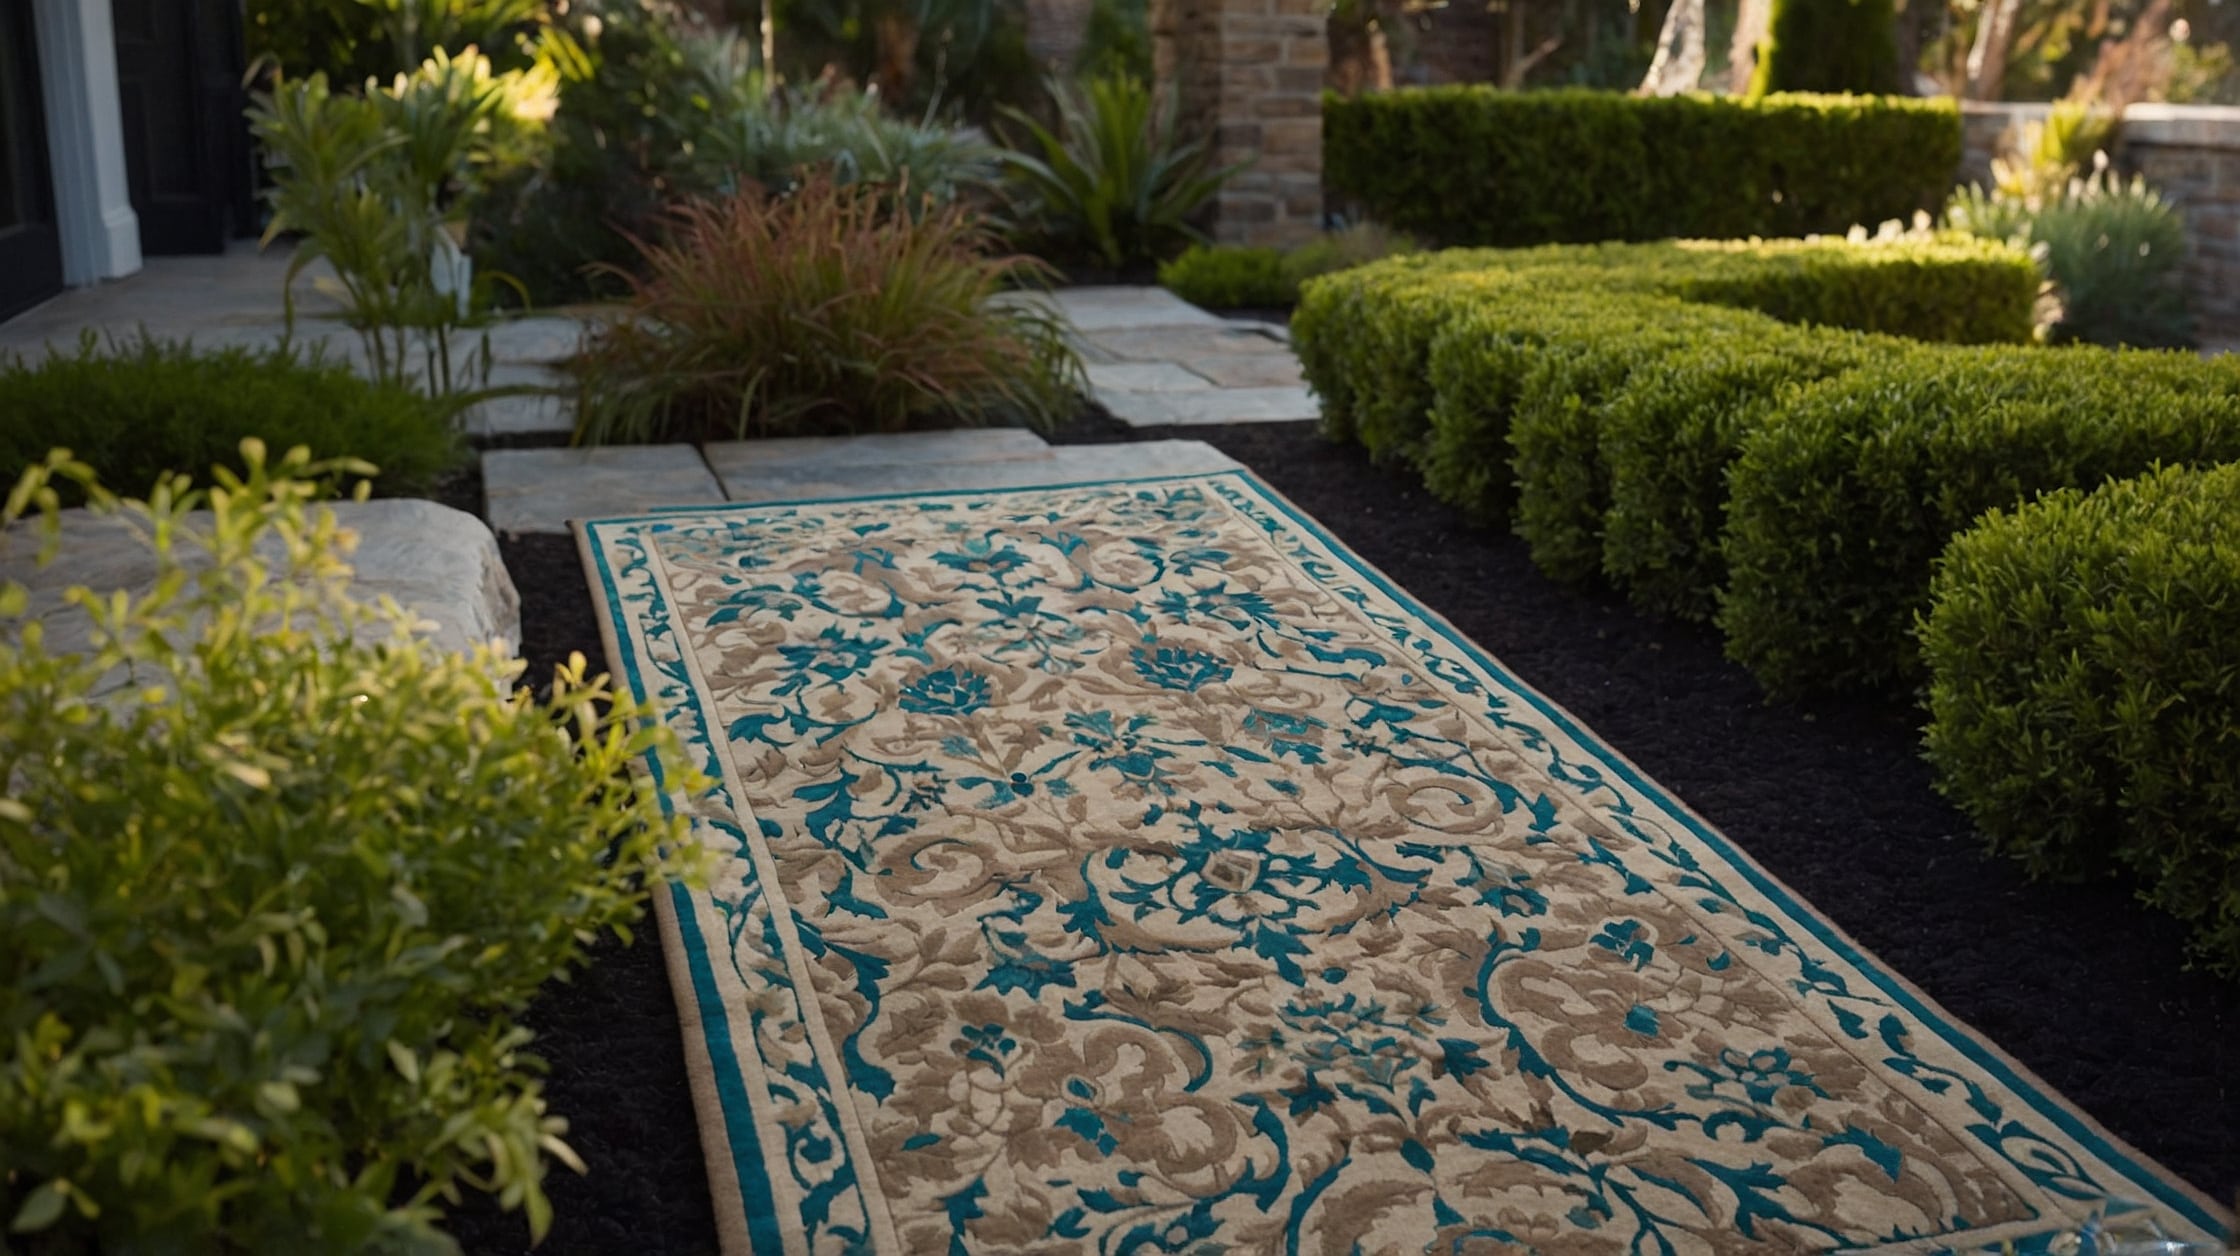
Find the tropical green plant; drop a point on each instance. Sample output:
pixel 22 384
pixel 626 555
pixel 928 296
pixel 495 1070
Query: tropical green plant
pixel 276 881
pixel 2083 652
pixel 1828 46
pixel 379 187
pixel 136 409
pixel 821 310
pixel 1113 184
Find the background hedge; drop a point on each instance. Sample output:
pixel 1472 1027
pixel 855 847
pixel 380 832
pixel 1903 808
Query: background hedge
pixel 1473 165
pixel 2084 662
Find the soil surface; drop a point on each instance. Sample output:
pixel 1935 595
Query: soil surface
pixel 2079 983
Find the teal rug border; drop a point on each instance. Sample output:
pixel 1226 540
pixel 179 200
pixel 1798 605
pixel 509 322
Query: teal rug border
pixel 748 1156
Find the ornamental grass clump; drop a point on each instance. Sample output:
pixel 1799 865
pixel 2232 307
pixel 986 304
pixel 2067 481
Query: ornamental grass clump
pixel 276 880
pixel 823 311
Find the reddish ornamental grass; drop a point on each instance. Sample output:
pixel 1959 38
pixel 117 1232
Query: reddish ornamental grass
pixel 822 310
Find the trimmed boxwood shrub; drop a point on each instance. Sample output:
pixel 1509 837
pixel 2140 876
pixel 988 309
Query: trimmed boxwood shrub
pixel 1492 370
pixel 1666 440
pixel 1230 276
pixel 1471 165
pixel 1838 511
pixel 134 410
pixel 271 912
pixel 2084 660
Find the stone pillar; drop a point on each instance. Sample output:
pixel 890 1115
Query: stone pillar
pixel 1248 74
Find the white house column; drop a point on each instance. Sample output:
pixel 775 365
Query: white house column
pixel 85 140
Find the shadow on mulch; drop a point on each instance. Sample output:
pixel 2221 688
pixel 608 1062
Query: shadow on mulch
pixel 2079 983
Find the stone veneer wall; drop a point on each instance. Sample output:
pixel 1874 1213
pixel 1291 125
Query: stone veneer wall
pixel 2192 154
pixel 1248 74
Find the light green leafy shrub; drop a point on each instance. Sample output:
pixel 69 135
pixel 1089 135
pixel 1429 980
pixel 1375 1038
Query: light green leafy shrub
pixel 135 410
pixel 1838 510
pixel 2083 654
pixel 1480 166
pixel 2114 249
pixel 275 882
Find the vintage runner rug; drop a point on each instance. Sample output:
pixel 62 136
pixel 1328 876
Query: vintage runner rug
pixel 1127 867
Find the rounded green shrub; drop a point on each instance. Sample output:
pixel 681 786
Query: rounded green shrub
pixel 2083 654
pixel 276 881
pixel 1838 510
pixel 134 410
pixel 1828 46
pixel 1227 277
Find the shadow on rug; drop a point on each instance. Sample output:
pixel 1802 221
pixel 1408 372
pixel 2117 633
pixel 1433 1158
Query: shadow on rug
pixel 1126 866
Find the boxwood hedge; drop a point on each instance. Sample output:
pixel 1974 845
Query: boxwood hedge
pixel 1612 402
pixel 1473 165
pixel 1837 511
pixel 2084 660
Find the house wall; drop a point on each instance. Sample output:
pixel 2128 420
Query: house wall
pixel 85 140
pixel 2191 153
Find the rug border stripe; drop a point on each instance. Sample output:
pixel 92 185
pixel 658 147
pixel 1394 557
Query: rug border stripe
pixel 2139 1169
pixel 711 1062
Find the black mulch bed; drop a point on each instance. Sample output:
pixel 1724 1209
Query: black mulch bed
pixel 2078 982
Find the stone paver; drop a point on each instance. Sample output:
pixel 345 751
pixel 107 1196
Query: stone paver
pixel 441 564
pixel 1173 344
pixel 1249 370
pixel 521 414
pixel 1062 464
pixel 1145 377
pixel 1218 405
pixel 1092 310
pixel 540 490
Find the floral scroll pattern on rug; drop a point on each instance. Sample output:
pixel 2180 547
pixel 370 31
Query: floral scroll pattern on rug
pixel 1123 868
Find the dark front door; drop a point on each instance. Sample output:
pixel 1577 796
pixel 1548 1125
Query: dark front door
pixel 30 247
pixel 186 148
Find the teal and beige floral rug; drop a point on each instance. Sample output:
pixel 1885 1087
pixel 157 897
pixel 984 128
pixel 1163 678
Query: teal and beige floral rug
pixel 1127 867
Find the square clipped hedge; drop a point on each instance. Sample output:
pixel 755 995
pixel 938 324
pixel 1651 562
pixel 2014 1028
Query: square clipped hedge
pixel 1474 165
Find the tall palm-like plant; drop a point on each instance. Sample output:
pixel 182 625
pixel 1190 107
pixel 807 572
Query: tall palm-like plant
pixel 1114 183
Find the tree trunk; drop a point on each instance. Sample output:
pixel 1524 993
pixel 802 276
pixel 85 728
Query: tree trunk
pixel 1742 55
pixel 1987 57
pixel 1679 60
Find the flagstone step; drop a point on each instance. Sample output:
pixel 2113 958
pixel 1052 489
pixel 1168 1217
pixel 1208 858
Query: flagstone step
pixel 541 490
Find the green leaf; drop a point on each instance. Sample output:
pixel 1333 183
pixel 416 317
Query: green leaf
pixel 42 1208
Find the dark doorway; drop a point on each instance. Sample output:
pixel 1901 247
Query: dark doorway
pixel 30 247
pixel 186 147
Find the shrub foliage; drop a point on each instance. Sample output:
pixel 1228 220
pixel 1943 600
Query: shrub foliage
pixel 134 410
pixel 1230 276
pixel 2084 660
pixel 821 311
pixel 275 880
pixel 1479 166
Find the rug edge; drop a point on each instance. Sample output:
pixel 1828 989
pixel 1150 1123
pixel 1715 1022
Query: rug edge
pixel 724 1191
